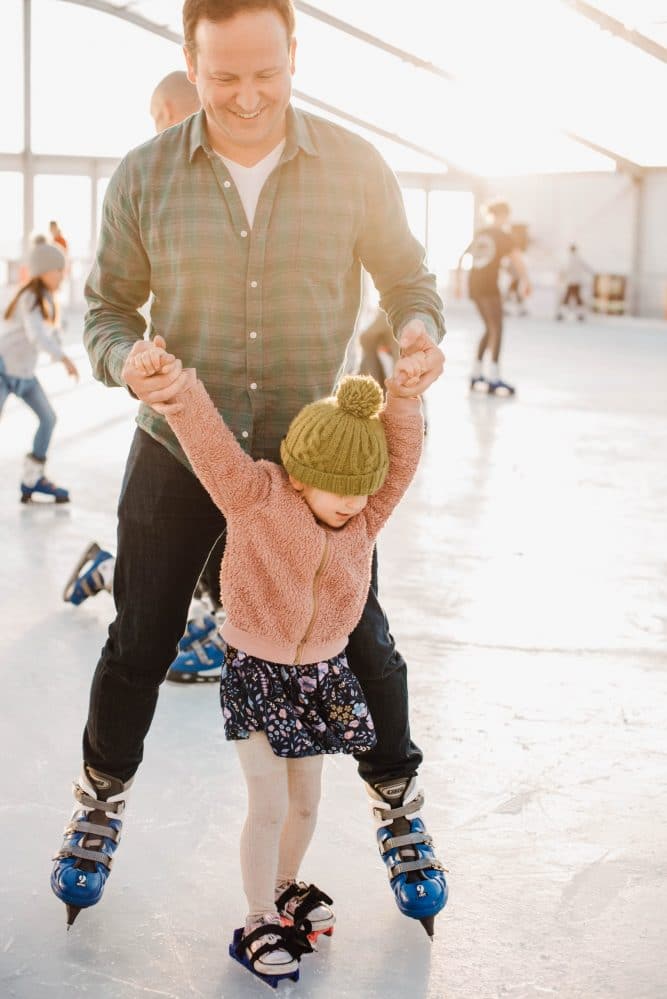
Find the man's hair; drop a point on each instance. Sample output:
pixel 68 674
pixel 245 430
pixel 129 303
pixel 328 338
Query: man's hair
pixel 195 11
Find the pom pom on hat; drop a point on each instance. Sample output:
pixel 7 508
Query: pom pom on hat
pixel 338 444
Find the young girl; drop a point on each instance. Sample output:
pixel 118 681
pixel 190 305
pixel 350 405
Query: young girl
pixel 30 324
pixel 294 581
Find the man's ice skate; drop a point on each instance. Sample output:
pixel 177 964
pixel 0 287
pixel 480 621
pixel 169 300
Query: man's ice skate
pixel 92 573
pixel 92 834
pixel 416 876
pixel 499 387
pixel 201 655
pixel 298 902
pixel 34 482
pixel 269 950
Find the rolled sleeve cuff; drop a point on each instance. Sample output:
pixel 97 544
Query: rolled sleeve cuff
pixel 432 328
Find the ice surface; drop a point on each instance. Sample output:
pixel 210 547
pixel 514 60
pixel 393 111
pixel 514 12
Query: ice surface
pixel 524 578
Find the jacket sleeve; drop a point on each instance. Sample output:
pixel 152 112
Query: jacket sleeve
pixel 37 330
pixel 404 427
pixel 392 255
pixel 118 285
pixel 231 477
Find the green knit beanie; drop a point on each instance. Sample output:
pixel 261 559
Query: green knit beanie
pixel 338 444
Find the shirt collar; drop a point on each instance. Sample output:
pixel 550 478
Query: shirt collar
pixel 298 135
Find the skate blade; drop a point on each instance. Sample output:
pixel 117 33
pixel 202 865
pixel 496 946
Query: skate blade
pixel 89 555
pixel 72 912
pixel 428 922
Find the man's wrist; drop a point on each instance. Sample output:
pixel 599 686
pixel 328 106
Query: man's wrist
pixel 429 322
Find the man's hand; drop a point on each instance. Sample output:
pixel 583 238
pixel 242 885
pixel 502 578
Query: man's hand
pixel 158 377
pixel 415 342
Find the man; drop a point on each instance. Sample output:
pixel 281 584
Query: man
pixel 173 100
pixel 489 247
pixel 249 223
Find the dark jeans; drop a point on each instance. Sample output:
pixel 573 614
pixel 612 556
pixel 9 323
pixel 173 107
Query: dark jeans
pixel 167 525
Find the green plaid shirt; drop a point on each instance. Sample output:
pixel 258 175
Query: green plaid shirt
pixel 263 314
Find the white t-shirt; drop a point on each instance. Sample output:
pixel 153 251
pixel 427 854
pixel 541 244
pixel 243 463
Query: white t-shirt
pixel 250 180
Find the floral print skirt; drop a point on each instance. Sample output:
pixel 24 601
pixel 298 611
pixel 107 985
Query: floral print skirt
pixel 303 710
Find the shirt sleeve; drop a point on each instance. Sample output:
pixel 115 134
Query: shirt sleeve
pixel 118 285
pixel 404 428
pixel 231 477
pixel 37 329
pixel 392 255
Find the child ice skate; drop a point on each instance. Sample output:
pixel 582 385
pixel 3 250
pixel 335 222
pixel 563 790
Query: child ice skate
pixel 294 580
pixel 30 326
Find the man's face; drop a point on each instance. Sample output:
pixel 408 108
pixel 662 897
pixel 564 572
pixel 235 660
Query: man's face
pixel 243 73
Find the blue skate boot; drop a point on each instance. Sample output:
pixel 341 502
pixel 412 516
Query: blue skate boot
pixel 201 653
pixel 270 951
pixel 34 482
pixel 416 876
pixel 478 383
pixel 499 387
pixel 83 862
pixel 92 573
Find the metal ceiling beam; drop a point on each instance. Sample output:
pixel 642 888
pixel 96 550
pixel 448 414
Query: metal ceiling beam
pixel 377 130
pixel 619 29
pixel 365 36
pixel 125 14
pixel 626 166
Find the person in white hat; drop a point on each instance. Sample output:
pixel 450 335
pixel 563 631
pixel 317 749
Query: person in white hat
pixel 29 325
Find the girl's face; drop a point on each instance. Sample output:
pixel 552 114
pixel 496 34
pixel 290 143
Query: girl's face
pixel 52 279
pixel 328 508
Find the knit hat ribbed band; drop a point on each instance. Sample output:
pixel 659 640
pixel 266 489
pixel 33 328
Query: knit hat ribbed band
pixel 45 257
pixel 338 444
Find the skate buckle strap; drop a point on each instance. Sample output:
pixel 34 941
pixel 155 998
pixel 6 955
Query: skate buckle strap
pixel 82 854
pixel 108 832
pixel 82 796
pixel 409 839
pixel 402 810
pixel 309 898
pixel 423 864
pixel 290 938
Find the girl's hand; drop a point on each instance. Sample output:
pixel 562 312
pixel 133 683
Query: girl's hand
pixel 70 367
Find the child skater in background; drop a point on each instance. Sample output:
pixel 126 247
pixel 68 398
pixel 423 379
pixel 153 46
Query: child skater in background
pixel 294 579
pixel 30 325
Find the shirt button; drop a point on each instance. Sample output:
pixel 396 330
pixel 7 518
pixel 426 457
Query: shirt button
pixel 253 385
pixel 244 433
pixel 227 183
pixel 244 233
pixel 253 284
pixel 253 334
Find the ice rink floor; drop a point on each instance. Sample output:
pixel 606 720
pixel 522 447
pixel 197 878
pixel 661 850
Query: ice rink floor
pixel 524 577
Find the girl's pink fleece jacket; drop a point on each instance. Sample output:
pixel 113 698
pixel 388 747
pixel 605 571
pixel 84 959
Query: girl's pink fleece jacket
pixel 293 589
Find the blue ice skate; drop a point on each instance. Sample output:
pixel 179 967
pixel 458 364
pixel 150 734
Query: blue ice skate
pixel 499 387
pixel 201 660
pixel 197 630
pixel 478 383
pixel 35 483
pixel 416 876
pixel 98 567
pixel 275 959
pixel 83 863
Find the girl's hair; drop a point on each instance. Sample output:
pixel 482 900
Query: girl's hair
pixel 40 291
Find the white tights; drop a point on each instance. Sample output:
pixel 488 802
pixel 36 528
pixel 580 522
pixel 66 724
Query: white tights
pixel 283 796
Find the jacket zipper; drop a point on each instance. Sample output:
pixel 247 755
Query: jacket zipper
pixel 316 579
